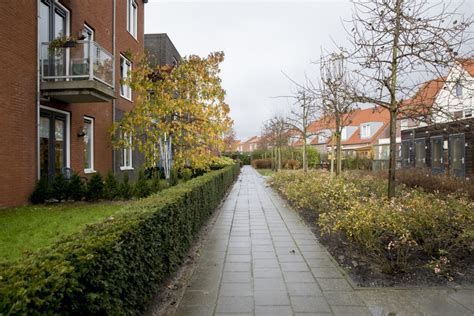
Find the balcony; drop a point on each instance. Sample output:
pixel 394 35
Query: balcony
pixel 80 74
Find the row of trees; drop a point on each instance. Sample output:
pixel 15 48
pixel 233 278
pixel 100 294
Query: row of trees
pixel 395 47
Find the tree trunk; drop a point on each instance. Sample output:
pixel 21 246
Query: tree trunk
pixel 279 158
pixel 393 102
pixel 393 149
pixel 305 157
pixel 338 155
pixel 332 159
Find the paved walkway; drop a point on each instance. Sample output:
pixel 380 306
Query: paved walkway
pixel 261 259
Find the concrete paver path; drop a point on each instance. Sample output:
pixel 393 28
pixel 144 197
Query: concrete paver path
pixel 261 259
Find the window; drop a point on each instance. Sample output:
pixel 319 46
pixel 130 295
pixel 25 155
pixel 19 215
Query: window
pixel 420 153
pixel 127 153
pixel 125 68
pixel 88 145
pixel 468 113
pixel 132 12
pixel 344 133
pixel 458 89
pixel 321 138
pixel 365 131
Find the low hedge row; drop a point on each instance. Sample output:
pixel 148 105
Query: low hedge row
pixel 116 266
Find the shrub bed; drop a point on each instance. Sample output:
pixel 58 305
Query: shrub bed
pixel 114 267
pixel 414 229
pixel 262 163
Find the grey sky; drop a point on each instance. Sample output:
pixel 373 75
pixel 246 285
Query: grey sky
pixel 261 39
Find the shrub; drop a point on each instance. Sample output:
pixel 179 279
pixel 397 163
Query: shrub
pixel 95 188
pixel 392 231
pixel 422 178
pixel 142 189
pixel 116 266
pixel 356 163
pixel 173 180
pixel 111 187
pixel 262 163
pixel 221 162
pixel 76 188
pixel 41 192
pixel 126 190
pixel 186 174
pixel 291 164
pixel 59 188
pixel 156 184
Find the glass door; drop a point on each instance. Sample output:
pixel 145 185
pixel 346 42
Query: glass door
pixel 437 153
pixel 420 153
pixel 457 151
pixel 405 153
pixel 52 23
pixel 52 143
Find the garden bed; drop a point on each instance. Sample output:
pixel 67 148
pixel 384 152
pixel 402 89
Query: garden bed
pixel 417 239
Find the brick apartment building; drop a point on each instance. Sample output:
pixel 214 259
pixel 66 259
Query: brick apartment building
pixel 58 104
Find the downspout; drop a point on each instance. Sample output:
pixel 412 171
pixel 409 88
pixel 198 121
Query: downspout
pixel 113 76
pixel 38 92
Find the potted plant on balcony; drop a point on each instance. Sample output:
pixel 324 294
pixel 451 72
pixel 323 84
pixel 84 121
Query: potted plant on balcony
pixel 61 41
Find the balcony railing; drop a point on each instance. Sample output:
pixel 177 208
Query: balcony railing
pixel 87 60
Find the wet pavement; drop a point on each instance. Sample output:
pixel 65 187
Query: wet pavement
pixel 261 259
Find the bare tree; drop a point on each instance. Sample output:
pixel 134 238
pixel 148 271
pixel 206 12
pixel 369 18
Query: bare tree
pixel 337 105
pixel 275 131
pixel 229 141
pixel 397 45
pixel 300 118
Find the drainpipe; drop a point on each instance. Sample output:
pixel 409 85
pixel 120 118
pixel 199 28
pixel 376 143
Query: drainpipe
pixel 38 73
pixel 113 75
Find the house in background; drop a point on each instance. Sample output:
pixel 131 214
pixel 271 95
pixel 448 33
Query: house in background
pixel 437 126
pixel 161 50
pixel 249 145
pixel 60 98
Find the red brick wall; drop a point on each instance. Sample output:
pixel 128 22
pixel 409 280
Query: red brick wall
pixel 18 101
pixel 18 109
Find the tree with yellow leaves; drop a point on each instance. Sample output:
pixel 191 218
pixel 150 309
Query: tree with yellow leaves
pixel 184 104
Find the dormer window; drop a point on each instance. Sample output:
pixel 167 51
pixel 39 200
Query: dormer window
pixel 458 89
pixel 365 131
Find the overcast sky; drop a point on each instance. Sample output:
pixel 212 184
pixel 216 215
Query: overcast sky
pixel 261 40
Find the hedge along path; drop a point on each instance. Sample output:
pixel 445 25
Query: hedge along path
pixel 116 266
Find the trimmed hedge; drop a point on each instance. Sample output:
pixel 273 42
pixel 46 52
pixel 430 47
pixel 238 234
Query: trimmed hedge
pixel 116 266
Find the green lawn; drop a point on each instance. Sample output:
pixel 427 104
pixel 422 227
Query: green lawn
pixel 266 172
pixel 28 228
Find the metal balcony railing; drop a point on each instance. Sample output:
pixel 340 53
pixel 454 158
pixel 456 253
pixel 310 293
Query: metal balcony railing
pixel 87 60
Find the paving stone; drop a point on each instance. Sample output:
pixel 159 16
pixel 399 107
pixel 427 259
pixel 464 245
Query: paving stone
pixel 238 258
pixel 267 273
pixel 273 311
pixel 343 299
pixel 326 273
pixel 298 277
pixel 273 298
pixel 304 289
pixel 309 304
pixel 237 266
pixel 294 266
pixel 234 304
pixel 202 298
pixel 334 284
pixel 269 285
pixel 236 289
pixel 194 310
pixel 236 277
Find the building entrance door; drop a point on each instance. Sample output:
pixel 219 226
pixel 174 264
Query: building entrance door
pixel 53 144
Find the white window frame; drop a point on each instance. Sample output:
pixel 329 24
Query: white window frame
pixel 458 88
pixel 344 133
pixel 365 131
pixel 132 18
pixel 127 151
pixel 91 139
pixel 125 89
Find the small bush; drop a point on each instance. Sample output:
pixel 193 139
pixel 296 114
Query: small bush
pixel 126 189
pixel 76 188
pixel 59 188
pixel 111 187
pixel 186 174
pixel 142 189
pixel 291 164
pixel 95 188
pixel 262 163
pixel 356 163
pixel 156 183
pixel 41 192
pixel 173 180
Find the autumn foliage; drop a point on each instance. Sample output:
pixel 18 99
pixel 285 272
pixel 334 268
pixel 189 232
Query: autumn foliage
pixel 185 102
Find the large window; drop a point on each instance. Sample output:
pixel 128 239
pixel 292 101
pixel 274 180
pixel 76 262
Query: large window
pixel 365 131
pixel 420 153
pixel 88 145
pixel 127 153
pixel 458 89
pixel 132 17
pixel 125 68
